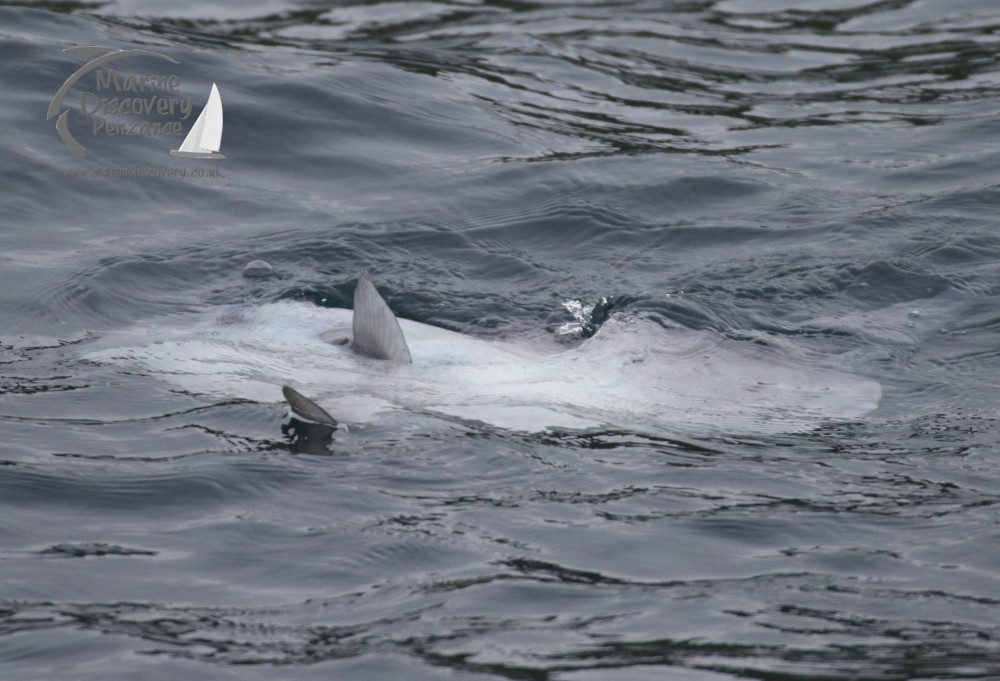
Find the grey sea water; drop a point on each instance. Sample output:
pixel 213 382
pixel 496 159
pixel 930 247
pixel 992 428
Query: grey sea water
pixel 815 179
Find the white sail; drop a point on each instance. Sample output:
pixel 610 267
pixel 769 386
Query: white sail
pixel 205 136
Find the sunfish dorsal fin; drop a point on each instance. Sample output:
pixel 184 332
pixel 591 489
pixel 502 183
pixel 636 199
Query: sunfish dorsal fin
pixel 305 408
pixel 376 331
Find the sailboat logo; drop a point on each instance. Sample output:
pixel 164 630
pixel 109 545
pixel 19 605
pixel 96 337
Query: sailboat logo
pixel 205 136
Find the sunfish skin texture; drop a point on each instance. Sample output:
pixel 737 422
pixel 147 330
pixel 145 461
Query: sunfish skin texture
pixel 633 375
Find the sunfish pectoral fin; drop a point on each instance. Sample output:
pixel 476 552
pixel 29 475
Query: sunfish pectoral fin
pixel 376 331
pixel 305 408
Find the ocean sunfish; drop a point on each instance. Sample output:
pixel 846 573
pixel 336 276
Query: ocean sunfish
pixel 633 374
pixel 376 334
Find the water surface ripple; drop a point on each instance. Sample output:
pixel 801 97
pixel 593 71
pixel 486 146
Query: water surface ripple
pixel 813 181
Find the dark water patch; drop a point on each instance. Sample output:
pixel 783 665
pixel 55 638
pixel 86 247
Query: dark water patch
pixel 150 425
pixel 613 440
pixel 466 290
pixel 94 549
pixel 885 283
pixel 110 485
pixel 884 644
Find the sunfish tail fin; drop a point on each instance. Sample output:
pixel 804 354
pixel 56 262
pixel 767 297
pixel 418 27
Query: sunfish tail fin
pixel 305 408
pixel 376 330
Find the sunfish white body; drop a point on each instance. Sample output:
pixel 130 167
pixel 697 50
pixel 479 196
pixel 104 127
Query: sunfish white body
pixel 632 375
